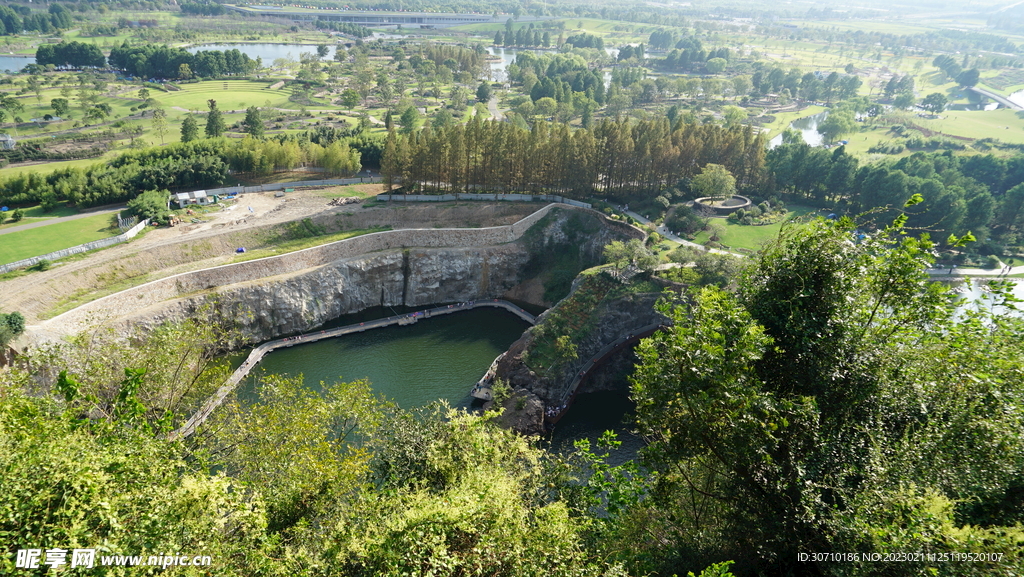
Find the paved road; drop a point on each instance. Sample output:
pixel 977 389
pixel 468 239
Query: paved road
pixel 50 221
pixel 492 107
pixel 976 271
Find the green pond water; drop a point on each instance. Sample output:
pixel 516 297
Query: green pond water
pixel 438 358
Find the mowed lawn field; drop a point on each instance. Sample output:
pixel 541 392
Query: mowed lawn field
pixel 38 241
pixel 229 94
pixel 1003 124
pixel 753 237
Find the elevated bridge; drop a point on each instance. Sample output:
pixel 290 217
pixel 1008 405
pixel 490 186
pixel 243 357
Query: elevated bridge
pixel 997 97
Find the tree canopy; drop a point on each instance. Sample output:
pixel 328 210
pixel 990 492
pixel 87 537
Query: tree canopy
pixel 632 252
pixel 70 54
pixel 714 180
pixel 829 405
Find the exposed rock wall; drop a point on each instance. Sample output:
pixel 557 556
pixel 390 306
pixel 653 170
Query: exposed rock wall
pixel 286 304
pixel 271 297
pixel 616 318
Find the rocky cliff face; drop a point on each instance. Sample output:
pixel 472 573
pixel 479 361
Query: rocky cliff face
pixel 613 319
pixel 597 314
pixel 286 304
pixel 270 298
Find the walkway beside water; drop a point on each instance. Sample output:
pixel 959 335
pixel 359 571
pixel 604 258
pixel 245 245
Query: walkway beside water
pixel 257 354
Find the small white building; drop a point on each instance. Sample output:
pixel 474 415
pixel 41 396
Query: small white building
pixel 184 199
pixel 6 142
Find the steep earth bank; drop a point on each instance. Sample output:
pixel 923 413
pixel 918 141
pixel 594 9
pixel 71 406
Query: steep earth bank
pixel 276 296
pixel 165 252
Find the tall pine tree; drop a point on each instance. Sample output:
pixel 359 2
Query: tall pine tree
pixel 214 121
pixel 189 129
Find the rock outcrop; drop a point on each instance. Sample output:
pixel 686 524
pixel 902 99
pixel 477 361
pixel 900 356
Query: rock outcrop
pixel 619 312
pixel 523 412
pixel 287 304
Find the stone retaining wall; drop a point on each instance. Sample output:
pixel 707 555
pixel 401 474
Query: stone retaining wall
pixel 133 300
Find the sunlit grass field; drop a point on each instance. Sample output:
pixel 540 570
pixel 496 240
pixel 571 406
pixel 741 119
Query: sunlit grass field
pixel 45 239
pixel 753 237
pixel 229 94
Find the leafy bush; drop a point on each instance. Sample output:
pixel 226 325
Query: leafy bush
pixel 151 204
pixel 889 148
pixel 11 326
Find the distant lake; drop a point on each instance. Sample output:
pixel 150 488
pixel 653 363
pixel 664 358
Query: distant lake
pixel 1017 98
pixel 973 292
pixel 268 52
pixel 15 63
pixel 808 129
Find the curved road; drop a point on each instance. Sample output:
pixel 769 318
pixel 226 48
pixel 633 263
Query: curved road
pixel 665 233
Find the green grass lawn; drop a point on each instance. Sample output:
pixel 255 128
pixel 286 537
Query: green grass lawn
pixel 1003 124
pixel 38 241
pixel 753 237
pixel 48 167
pixel 970 124
pixel 885 27
pixel 860 142
pixel 36 214
pixel 239 95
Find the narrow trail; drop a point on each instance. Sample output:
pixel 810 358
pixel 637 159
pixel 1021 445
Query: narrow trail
pixel 492 107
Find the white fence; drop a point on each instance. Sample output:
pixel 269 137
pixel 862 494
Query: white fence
pixel 103 242
pixel 478 196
